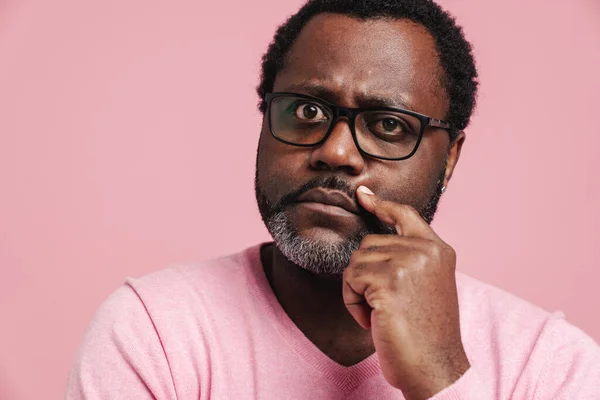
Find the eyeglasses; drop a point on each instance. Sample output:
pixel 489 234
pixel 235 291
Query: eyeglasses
pixel 384 133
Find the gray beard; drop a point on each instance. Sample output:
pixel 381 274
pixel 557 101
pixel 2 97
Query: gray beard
pixel 319 257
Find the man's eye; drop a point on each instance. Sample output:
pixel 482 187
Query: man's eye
pixel 388 126
pixel 309 112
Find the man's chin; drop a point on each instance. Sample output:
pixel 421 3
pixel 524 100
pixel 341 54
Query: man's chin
pixel 320 245
pixel 317 250
pixel 324 237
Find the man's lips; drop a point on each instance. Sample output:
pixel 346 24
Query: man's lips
pixel 331 198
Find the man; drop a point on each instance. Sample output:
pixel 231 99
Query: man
pixel 364 104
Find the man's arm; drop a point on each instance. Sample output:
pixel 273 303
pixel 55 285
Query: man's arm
pixel 572 364
pixel 121 356
pixel 564 365
pixel 402 288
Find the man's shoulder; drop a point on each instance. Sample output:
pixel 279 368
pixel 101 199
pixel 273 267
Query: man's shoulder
pixel 218 274
pixel 510 337
pixel 486 300
pixel 489 313
pixel 179 295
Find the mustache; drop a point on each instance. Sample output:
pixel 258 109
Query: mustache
pixel 330 183
pixel 373 224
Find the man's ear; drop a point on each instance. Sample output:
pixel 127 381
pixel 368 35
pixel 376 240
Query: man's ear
pixel 453 156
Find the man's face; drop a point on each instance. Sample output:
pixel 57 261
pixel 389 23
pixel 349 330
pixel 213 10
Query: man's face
pixel 350 62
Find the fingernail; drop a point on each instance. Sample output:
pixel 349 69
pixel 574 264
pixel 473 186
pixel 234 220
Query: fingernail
pixel 365 189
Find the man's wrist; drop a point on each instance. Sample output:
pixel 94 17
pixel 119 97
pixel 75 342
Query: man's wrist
pixel 438 381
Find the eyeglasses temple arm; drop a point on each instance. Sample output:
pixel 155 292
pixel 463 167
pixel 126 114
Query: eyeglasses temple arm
pixel 436 123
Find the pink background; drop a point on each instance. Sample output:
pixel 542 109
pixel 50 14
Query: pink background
pixel 115 118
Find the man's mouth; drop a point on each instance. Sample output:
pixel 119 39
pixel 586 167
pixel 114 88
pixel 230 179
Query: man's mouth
pixel 328 200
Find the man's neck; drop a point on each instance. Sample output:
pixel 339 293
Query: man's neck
pixel 315 304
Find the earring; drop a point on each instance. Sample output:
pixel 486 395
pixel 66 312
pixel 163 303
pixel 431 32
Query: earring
pixel 443 189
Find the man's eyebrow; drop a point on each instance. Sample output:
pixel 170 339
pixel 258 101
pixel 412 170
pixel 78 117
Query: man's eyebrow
pixel 322 92
pixel 380 101
pixel 313 89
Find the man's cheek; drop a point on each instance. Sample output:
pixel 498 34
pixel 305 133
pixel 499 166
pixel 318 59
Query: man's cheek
pixel 274 186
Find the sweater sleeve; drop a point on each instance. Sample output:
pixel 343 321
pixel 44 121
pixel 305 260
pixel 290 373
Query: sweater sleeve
pixel 121 355
pixel 468 387
pixel 572 370
pixel 563 365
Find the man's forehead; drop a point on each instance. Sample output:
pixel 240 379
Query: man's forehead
pixel 347 59
pixel 331 89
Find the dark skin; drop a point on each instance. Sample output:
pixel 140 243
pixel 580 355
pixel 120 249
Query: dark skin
pixel 398 295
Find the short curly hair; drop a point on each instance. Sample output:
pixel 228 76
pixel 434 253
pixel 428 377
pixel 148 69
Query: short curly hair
pixel 455 52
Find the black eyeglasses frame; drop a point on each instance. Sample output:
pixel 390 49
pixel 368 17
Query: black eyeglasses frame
pixel 350 114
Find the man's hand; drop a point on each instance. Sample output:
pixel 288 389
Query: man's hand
pixel 403 288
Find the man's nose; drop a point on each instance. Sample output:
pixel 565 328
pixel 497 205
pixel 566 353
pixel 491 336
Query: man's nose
pixel 339 151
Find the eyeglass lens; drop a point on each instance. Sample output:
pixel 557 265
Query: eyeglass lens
pixel 382 133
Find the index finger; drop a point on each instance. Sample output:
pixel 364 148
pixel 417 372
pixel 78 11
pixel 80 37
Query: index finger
pixel 406 219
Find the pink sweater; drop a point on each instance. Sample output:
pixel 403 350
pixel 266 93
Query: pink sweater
pixel 215 330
